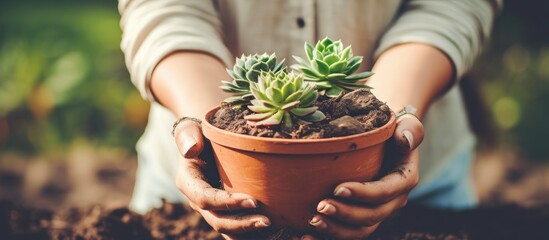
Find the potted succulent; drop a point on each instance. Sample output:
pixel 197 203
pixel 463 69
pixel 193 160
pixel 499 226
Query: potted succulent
pixel 288 138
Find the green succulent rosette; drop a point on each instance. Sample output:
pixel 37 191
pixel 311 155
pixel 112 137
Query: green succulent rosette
pixel 280 97
pixel 331 67
pixel 246 70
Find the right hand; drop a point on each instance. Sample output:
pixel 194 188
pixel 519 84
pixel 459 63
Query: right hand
pixel 224 211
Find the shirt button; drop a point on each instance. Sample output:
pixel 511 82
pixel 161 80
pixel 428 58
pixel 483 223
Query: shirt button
pixel 300 22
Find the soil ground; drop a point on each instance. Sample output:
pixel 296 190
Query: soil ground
pixel 83 195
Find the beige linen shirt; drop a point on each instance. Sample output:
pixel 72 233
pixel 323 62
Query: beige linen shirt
pixel 225 29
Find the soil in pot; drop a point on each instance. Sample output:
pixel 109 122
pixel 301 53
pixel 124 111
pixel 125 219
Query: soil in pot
pixel 352 113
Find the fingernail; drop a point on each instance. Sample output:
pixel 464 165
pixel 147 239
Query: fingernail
pixel 248 203
pixel 189 146
pixel 318 223
pixel 342 192
pixel 409 137
pixel 261 224
pixel 326 208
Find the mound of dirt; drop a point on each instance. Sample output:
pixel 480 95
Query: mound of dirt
pixel 171 221
pixel 497 222
pixel 174 221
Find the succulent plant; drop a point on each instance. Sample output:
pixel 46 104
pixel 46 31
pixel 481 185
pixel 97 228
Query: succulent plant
pixel 331 67
pixel 279 96
pixel 247 69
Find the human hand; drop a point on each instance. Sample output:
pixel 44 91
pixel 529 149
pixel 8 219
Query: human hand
pixel 357 208
pixel 224 211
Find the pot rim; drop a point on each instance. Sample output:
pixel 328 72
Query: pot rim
pixel 297 146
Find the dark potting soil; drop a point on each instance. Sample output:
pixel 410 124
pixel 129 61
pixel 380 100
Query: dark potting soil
pixel 352 113
pixel 174 221
pixel 171 221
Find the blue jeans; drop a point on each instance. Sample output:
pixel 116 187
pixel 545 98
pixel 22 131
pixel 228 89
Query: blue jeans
pixel 452 188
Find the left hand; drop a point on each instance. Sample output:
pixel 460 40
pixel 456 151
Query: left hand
pixel 357 208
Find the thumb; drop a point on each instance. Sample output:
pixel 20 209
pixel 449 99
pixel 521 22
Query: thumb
pixel 408 133
pixel 189 139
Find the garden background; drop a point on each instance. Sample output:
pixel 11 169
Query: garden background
pixel 69 116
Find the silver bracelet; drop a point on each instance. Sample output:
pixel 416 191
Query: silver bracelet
pixel 196 120
pixel 407 110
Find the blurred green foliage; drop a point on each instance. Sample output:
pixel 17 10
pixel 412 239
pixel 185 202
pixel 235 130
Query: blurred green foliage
pixel 63 79
pixel 514 75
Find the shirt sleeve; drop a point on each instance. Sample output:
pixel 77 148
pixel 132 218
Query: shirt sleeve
pixel 459 28
pixel 154 29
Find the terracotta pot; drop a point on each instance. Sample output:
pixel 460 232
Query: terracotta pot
pixel 290 176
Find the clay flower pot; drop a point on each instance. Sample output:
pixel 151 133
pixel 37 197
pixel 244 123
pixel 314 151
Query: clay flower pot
pixel 290 176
